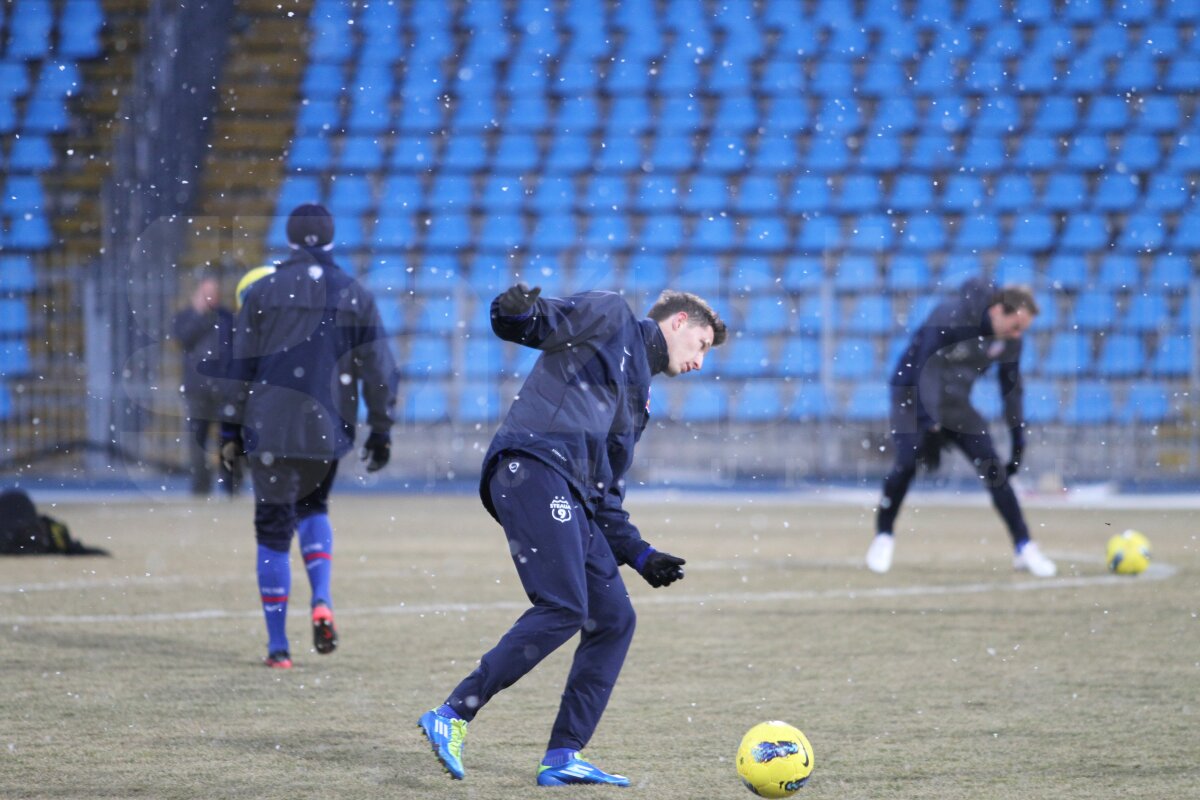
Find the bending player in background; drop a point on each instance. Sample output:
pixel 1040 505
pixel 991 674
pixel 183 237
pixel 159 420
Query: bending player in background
pixel 978 326
pixel 554 478
pixel 307 335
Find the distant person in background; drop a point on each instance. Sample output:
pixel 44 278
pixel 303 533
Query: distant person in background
pixel 307 343
pixel 977 326
pixel 204 330
pixel 554 478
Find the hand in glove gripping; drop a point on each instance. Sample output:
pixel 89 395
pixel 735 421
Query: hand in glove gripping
pixel 517 300
pixel 661 569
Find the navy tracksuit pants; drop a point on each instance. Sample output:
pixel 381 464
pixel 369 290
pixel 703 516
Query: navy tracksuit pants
pixel 573 580
pixel 968 431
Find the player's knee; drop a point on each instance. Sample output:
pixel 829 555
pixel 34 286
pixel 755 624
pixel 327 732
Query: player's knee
pixel 275 540
pixel 616 620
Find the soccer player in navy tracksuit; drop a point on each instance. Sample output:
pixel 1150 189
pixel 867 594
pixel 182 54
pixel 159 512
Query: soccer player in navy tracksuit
pixel 554 478
pixel 306 337
pixel 978 326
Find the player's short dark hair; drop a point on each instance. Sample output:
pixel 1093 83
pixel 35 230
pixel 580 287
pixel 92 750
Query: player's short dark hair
pixel 1013 298
pixel 699 312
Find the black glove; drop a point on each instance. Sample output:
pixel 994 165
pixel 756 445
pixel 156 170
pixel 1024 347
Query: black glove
pixel 376 451
pixel 517 301
pixel 1018 452
pixel 233 446
pixel 662 569
pixel 929 450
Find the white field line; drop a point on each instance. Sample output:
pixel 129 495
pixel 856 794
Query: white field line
pixel 1156 572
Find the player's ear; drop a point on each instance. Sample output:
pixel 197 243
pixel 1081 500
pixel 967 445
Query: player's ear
pixel 681 319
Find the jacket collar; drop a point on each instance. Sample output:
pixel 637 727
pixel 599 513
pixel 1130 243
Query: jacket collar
pixel 656 346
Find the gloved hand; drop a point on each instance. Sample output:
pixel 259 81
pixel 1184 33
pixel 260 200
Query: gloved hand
pixel 233 446
pixel 1018 452
pixel 929 450
pixel 517 300
pixel 661 569
pixel 376 451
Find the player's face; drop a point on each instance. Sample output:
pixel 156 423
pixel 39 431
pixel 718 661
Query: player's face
pixel 1010 326
pixel 687 344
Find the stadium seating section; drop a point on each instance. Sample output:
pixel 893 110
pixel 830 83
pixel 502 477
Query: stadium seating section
pixel 821 170
pixel 39 73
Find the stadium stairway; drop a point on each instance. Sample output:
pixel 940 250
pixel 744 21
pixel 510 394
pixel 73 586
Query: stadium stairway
pixel 251 131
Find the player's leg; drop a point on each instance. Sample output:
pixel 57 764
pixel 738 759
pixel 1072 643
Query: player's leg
pixel 275 486
pixel 316 546
pixel 981 450
pixel 603 643
pixel 547 537
pixel 200 472
pixel 906 440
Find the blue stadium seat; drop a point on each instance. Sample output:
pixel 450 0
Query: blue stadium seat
pixel 924 234
pixel 426 403
pixel 1183 74
pixel 803 273
pixel 14 317
pixel 1036 74
pixel 1171 271
pixel 1121 356
pixel 452 191
pixel 448 231
pixel 30 231
pixel 1094 310
pixel 1091 404
pixel 724 154
pixel 1084 232
pixel 662 232
pixel 16 274
pixel 1116 192
pixel 516 152
pixel 1069 355
pixel 1067 271
pixel 931 152
pixel 1147 311
pixel 553 194
pixel 478 401
pixel 1144 232
pixel 978 232
pixel 705 192
pixel 868 402
pixel 858 194
pixel 605 193
pixel 870 313
pixel 855 273
pixel 569 153
pixel 809 193
pixel 810 403
pixel 907 273
pixel 672 153
pixel 705 402
pixel 310 153
pixel 1056 115
pixel 828 154
pixel 819 233
pixel 775 153
pixel 1173 356
pixel 712 233
pixel 1047 311
pixel 1013 193
pixel 871 233
pixel 800 357
pixel 1015 269
pixel 911 193
pixel 758 401
pixel 1032 232
pixel 502 231
pixel 607 231
pixel 1064 191
pixel 1146 404
pixel 1187 231
pixel 881 152
pixel 764 234
pixel 985 396
pixel 749 357
pixel 958 267
pixel 758 194
pixel 1120 271
pixel 963 193
pixel 1138 152
pixel 854 358
pixel 984 154
pixel 1168 191
pixel 1159 114
pixel 620 155
pixel 1038 151
pixel 555 231
pixel 14 358
pixel 528 113
pixel 1087 152
pixel 1042 402
pixel 503 193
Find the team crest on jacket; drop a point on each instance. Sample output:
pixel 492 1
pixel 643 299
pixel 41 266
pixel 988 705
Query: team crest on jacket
pixel 560 509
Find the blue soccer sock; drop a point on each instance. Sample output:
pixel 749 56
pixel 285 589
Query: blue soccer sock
pixel 447 710
pixel 316 545
pixel 557 756
pixel 274 584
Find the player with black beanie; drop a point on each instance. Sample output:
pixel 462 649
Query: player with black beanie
pixel 307 341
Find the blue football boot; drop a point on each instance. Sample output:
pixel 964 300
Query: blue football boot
pixel 576 770
pixel 447 736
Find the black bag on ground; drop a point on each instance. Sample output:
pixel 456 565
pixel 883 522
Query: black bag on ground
pixel 23 531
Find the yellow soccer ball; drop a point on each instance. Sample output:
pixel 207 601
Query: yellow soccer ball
pixel 249 279
pixel 774 759
pixel 1128 553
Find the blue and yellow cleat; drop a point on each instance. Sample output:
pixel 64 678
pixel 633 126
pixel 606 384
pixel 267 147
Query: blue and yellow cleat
pixel 446 736
pixel 577 771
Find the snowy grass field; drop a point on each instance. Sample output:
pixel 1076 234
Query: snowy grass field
pixel 951 677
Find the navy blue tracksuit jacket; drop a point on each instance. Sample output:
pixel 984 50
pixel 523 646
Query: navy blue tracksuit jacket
pixel 953 347
pixel 585 403
pixel 305 339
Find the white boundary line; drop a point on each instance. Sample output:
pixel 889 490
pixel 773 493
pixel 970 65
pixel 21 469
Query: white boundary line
pixel 1156 572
